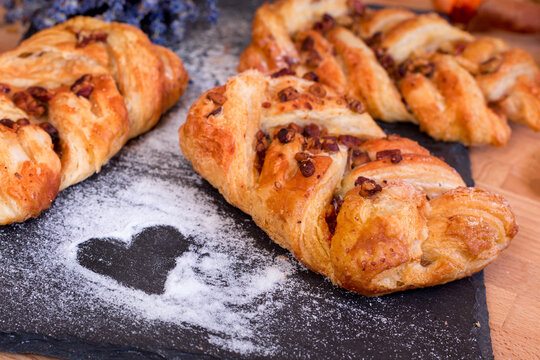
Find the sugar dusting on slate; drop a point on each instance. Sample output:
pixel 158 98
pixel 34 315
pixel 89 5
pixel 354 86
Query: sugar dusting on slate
pixel 235 294
pixel 205 288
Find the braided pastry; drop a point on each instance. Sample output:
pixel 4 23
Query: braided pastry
pixel 70 98
pixel 374 214
pixel 392 57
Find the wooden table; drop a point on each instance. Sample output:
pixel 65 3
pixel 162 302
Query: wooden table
pixel 513 280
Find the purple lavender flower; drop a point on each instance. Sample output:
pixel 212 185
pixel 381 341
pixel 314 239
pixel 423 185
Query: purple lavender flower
pixel 165 21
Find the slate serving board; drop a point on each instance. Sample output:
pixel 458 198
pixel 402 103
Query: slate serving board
pixel 103 273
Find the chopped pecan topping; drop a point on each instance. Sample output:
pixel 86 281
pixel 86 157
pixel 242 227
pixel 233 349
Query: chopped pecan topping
pixel 331 215
pixel 307 168
pixel 356 105
pixel 266 105
pixel 326 24
pixel 26 102
pixel 286 135
pixel 357 7
pixel 214 112
pixel 400 72
pixel 311 76
pixel 8 123
pixel 53 133
pixel 288 94
pixel 85 38
pixel 368 187
pixel 459 48
pixel 420 65
pixel 375 40
pixel 302 156
pixel 284 72
pixel 394 155
pixel 358 157
pixel 330 144
pixel 349 140
pixel 83 86
pixel 216 97
pixel 314 145
pixel 40 93
pixel 384 58
pixel 308 43
pixel 4 88
pixel 312 131
pixel 491 65
pixel 260 148
pixel 313 58
pixel 296 128
pixel 14 124
pixel 317 90
pixel 425 262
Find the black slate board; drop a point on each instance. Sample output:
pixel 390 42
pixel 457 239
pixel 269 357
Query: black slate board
pixel 46 307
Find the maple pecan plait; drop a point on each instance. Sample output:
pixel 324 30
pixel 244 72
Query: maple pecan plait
pixel 70 98
pixel 374 214
pixel 403 66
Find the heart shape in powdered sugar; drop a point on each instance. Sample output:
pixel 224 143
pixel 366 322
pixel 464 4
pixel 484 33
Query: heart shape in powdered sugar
pixel 143 264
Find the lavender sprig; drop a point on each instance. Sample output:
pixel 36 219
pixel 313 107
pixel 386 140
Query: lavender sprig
pixel 165 21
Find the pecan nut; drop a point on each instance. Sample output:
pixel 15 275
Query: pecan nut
pixel 216 97
pixel 8 123
pixel 317 90
pixel 311 76
pixel 40 93
pixel 83 86
pixel 85 38
pixel 368 187
pixel 288 94
pixel 286 135
pixel 28 103
pixel 283 72
pixel 307 168
pixel 5 88
pixel 394 155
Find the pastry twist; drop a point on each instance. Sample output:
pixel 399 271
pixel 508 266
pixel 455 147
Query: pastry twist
pixel 70 98
pixel 374 214
pixel 391 61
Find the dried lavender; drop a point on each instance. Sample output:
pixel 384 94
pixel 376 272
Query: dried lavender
pixel 165 21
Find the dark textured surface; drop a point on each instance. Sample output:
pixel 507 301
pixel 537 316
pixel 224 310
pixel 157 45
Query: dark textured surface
pixel 48 306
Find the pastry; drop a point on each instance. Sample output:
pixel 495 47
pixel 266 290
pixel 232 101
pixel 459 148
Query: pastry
pixel 377 57
pixel 70 98
pixel 374 214
pixel 508 77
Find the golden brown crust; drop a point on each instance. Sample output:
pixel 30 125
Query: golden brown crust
pixel 91 85
pixel 224 141
pixel 29 172
pixel 340 60
pixel 368 80
pixel 508 77
pixel 382 21
pixel 364 57
pixel 374 216
pixel 450 106
pixel 423 32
